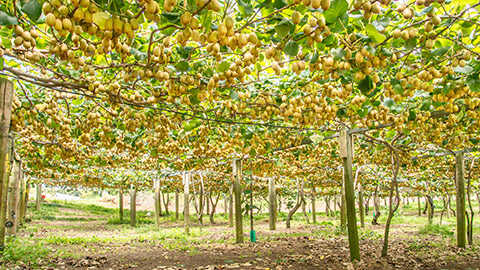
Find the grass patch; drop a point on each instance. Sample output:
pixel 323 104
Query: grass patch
pixel 24 250
pixel 65 240
pixel 435 229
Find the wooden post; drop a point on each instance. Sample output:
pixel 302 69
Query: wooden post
pixel 230 206
pixel 186 200
pixel 237 173
pixel 176 204
pixel 13 213
pixel 419 207
pixel 225 204
pixel 271 203
pixel 6 96
pixel 23 189
pixel 38 201
pixel 120 204
pixel 156 184
pixel 24 202
pixel 5 182
pixel 133 206
pixel 347 144
pixel 343 206
pixel 314 209
pixel 460 198
pixel 361 205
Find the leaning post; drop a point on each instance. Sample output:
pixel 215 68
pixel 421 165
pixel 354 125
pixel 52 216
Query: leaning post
pixel 271 203
pixel 6 97
pixel 346 153
pixel 460 197
pixel 237 174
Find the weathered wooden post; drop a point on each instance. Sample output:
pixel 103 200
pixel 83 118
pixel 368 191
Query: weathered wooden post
pixel 133 206
pixel 22 205
pixel 361 205
pixel 230 206
pixel 346 152
pixel 460 198
pixel 419 206
pixel 237 174
pixel 4 197
pixel 38 196
pixel 27 193
pixel 156 184
pixel 6 97
pixel 13 213
pixel 314 209
pixel 120 203
pixel 186 200
pixel 271 203
pixel 343 205
pixel 176 204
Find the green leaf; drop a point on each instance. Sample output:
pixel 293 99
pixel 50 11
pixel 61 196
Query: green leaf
pixel 338 53
pixel 374 35
pixel 337 9
pixel 411 43
pixel 314 58
pixel 182 66
pixel 278 4
pixel 440 51
pixel 234 95
pixel 316 139
pixel 366 84
pixel 474 83
pixel 6 19
pixel 33 9
pixel 291 48
pixel 2 63
pixel 283 28
pixel 222 67
pixel 412 115
pixel 386 52
pixel 245 8
pixel 381 24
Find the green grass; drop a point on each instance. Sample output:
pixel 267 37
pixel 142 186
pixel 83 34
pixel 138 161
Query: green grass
pixel 436 229
pixel 25 250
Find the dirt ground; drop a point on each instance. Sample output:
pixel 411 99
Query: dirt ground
pixel 301 247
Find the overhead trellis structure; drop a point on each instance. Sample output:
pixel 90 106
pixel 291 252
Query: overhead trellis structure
pixel 140 94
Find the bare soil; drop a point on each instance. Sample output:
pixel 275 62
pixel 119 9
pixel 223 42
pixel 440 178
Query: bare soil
pixel 302 247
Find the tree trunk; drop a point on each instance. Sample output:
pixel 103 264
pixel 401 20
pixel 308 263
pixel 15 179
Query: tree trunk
pixel 166 202
pixel 299 202
pixel 304 211
pixel 214 207
pixel 392 208
pixel 360 205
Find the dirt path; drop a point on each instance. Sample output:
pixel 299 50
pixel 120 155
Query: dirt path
pixel 94 244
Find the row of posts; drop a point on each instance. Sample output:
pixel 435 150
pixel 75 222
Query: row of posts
pixel 14 206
